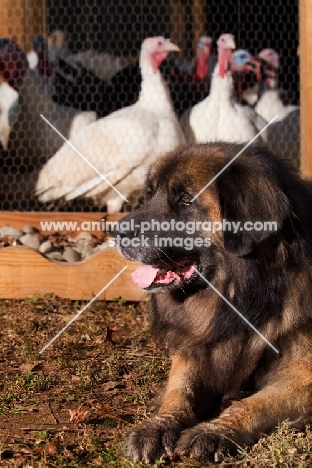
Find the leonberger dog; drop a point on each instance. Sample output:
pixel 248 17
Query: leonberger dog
pixel 233 309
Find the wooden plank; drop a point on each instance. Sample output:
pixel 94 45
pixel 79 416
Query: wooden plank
pixel 305 29
pixel 177 23
pixel 21 20
pixel 25 273
pixel 83 220
pixel 4 14
pixel 199 22
pixel 34 21
pixel 178 20
pixel 16 22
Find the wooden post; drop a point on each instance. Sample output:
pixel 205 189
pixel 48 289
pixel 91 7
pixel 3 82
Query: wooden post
pixel 177 23
pixel 305 35
pixel 21 20
pixel 199 21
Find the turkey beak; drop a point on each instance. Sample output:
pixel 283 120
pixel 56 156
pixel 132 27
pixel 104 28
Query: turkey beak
pixel 171 47
pixel 231 44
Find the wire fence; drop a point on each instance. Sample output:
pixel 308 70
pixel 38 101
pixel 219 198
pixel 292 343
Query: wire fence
pixel 83 65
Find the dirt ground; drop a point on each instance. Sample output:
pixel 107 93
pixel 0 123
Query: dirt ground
pixel 72 405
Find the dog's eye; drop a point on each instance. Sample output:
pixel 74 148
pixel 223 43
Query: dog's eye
pixel 148 191
pixel 186 199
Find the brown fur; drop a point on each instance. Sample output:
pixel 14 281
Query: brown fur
pixel 216 357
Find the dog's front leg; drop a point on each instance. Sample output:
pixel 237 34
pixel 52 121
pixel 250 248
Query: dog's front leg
pixel 244 421
pixel 158 436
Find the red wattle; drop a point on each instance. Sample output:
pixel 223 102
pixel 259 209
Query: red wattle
pixel 224 60
pixel 201 67
pixel 156 60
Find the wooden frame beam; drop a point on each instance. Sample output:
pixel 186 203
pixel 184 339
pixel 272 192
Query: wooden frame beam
pixel 305 48
pixel 199 18
pixel 21 20
pixel 177 22
pixel 24 272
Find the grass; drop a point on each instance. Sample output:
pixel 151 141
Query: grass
pixel 72 405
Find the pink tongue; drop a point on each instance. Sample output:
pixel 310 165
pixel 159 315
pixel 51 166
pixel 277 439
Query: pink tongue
pixel 144 275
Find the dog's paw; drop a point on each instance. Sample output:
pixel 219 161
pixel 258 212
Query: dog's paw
pixel 206 443
pixel 154 439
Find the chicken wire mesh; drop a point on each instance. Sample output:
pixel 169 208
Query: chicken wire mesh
pixel 83 65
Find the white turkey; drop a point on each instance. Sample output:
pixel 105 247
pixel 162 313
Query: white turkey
pixel 199 66
pixel 8 98
pixel 243 64
pixel 265 98
pixel 283 135
pixel 219 116
pixel 121 145
pixel 80 87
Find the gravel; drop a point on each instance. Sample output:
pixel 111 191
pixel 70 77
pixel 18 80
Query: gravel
pixel 46 247
pixel 10 232
pixel 84 250
pixel 56 246
pixel 30 229
pixel 55 256
pixel 30 241
pixel 71 255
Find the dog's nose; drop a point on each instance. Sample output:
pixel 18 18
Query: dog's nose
pixel 127 228
pixel 119 230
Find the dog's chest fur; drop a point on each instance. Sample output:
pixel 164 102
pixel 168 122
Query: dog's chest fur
pixel 218 361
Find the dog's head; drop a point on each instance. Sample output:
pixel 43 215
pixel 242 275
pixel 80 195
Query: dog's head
pixel 205 204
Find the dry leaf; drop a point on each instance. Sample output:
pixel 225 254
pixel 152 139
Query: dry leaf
pixel 104 410
pixel 39 450
pixel 111 385
pixel 97 462
pixel 292 451
pixel 53 446
pixel 31 367
pixel 38 441
pixel 25 451
pixel 78 415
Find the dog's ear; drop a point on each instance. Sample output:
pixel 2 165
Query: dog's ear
pixel 249 192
